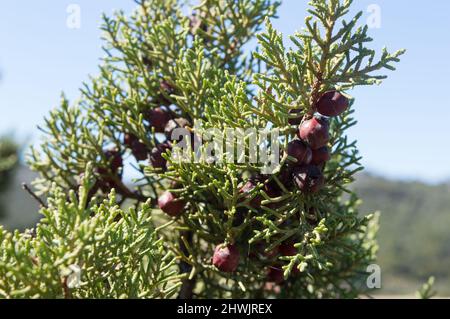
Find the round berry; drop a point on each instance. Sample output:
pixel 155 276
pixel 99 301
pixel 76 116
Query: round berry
pixel 332 103
pixel 309 179
pixel 320 156
pixel 296 118
pixel 315 132
pixel 156 158
pixel 275 275
pixel 115 159
pixel 272 189
pixel 138 149
pixel 226 258
pixel 158 118
pixel 170 204
pixel 300 151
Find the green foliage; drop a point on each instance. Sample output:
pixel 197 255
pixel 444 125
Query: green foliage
pixel 197 66
pixel 426 291
pixel 77 252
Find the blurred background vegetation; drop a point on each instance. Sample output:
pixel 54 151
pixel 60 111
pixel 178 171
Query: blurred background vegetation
pixel 414 238
pixel 414 235
pixel 8 162
pixel 17 209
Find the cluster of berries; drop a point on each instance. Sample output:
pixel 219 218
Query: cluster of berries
pixel 158 118
pixel 226 258
pixel 309 153
pixel 310 149
pixel 161 120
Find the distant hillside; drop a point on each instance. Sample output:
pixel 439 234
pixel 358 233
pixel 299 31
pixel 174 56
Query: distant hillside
pixel 414 235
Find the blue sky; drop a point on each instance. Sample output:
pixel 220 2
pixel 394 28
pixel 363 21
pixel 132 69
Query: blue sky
pixel 403 126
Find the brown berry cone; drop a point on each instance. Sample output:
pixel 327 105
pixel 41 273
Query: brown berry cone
pixel 226 258
pixel 315 132
pixel 170 204
pixel 332 103
pixel 309 179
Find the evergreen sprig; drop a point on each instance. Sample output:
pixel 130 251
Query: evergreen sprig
pixel 195 68
pixel 77 252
